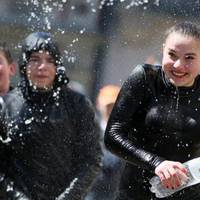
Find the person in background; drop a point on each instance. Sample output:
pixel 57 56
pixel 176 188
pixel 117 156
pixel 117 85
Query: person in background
pixel 152 60
pixel 105 186
pixel 7 68
pixel 104 103
pixel 155 122
pixel 49 146
pixel 78 87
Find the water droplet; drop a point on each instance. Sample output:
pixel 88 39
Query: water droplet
pixel 28 121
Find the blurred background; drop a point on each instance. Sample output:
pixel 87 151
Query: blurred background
pixel 101 40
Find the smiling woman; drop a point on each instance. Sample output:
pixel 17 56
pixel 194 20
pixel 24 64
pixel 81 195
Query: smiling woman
pixel 181 57
pixel 155 122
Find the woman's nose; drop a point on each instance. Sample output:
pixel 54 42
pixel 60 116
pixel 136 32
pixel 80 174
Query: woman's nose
pixel 178 64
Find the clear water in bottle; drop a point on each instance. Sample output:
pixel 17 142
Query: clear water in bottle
pixel 193 167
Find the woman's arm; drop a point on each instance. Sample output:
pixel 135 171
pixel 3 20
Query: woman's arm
pixel 131 98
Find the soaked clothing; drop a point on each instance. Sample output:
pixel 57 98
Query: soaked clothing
pixel 50 144
pixel 153 121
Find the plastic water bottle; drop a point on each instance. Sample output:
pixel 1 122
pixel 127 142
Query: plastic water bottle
pixel 193 167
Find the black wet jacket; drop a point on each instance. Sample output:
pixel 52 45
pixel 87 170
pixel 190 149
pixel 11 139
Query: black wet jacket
pixel 51 147
pixel 153 121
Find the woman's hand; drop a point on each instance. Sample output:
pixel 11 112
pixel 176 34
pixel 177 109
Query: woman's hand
pixel 172 174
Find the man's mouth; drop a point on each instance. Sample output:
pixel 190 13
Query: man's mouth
pixel 41 76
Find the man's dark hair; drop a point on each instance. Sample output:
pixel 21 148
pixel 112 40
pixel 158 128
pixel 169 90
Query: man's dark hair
pixel 35 42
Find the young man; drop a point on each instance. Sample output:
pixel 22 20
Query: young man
pixel 7 68
pixel 51 146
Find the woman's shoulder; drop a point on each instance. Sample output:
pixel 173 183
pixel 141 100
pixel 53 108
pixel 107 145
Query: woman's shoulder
pixel 147 69
pixel 146 72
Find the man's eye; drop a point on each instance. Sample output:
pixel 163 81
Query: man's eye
pixel 51 61
pixel 33 60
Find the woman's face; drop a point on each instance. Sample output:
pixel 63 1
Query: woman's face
pixel 181 59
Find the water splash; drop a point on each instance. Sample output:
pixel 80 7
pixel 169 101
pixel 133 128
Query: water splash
pixel 71 186
pixel 82 30
pixel 69 55
pixel 129 3
pixel 7 140
pixel 177 98
pixel 43 13
pixel 28 121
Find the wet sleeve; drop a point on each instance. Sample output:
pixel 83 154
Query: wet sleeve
pixel 88 153
pixel 131 98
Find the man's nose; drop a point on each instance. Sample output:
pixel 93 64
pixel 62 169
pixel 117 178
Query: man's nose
pixel 43 64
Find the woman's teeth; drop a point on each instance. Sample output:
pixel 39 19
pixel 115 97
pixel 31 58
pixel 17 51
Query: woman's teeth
pixel 179 74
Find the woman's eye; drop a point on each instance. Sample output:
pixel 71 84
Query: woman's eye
pixel 171 54
pixel 189 57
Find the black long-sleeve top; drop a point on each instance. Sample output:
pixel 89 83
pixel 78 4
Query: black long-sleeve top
pixel 152 120
pixel 51 149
